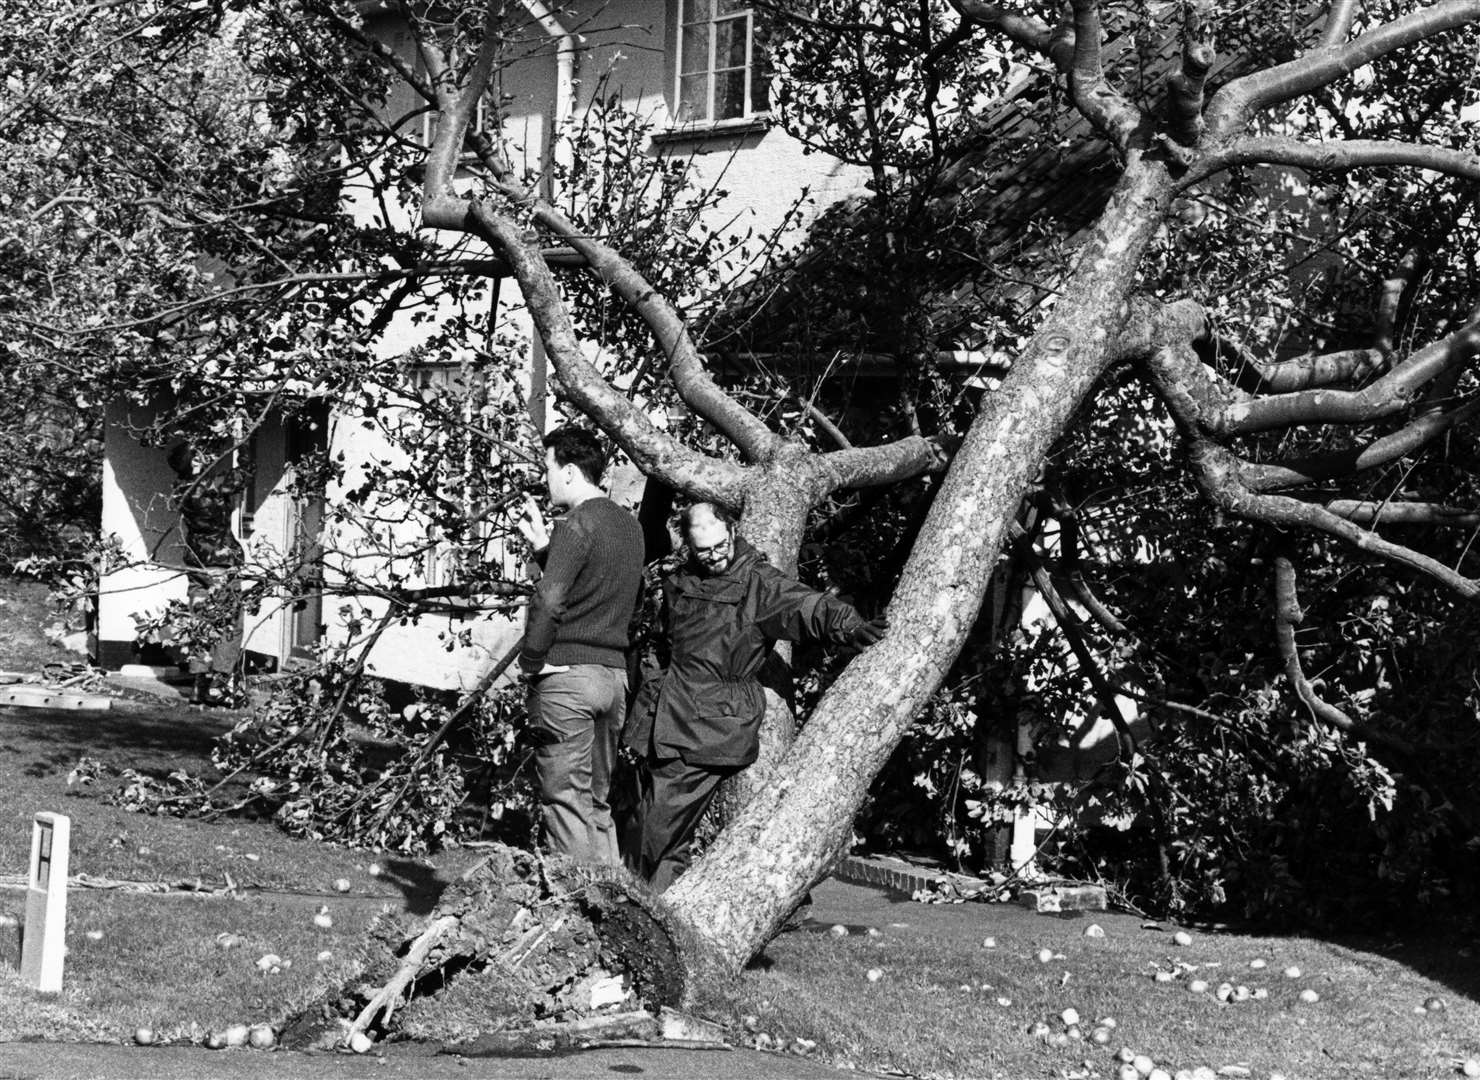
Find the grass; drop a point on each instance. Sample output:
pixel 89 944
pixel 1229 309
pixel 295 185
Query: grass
pixel 937 1009
pixel 156 960
pixel 945 1005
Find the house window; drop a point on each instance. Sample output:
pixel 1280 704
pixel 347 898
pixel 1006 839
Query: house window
pixel 720 71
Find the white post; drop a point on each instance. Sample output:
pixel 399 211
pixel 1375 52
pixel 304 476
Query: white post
pixel 44 940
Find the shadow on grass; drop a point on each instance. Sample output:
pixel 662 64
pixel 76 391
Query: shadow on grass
pixel 421 885
pixel 131 736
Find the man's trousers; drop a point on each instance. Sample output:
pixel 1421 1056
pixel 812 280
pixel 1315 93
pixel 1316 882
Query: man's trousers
pixel 674 799
pixel 577 713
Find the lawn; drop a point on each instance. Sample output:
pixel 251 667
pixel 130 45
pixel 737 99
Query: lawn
pixel 941 1002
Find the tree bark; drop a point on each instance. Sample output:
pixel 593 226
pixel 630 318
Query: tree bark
pixel 778 499
pixel 764 862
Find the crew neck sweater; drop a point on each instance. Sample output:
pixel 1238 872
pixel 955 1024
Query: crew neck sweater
pixel 582 606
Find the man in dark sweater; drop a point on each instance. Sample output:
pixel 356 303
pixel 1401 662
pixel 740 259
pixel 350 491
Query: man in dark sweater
pixel 575 645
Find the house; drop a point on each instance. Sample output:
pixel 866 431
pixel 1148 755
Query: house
pixel 695 68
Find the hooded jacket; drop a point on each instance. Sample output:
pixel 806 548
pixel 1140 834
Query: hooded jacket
pixel 720 628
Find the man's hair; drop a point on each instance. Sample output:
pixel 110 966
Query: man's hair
pixel 579 447
pixel 719 513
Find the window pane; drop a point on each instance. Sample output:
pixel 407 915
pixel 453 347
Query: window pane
pixel 697 10
pixel 695 53
pixel 732 7
pixel 729 43
pixel 693 97
pixel 729 94
pixel 760 90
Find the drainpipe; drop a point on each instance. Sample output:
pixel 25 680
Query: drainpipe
pixel 565 79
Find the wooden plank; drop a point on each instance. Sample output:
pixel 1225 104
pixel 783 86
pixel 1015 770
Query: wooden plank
pixel 32 696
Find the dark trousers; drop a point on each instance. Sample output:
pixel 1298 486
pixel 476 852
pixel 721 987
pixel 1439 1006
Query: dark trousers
pixel 674 799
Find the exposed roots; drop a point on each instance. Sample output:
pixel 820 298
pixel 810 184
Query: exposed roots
pixel 520 943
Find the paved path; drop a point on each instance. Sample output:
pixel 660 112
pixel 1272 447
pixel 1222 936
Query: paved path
pixel 82 1061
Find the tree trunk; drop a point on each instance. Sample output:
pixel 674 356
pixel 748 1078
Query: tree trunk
pixel 786 837
pixel 777 502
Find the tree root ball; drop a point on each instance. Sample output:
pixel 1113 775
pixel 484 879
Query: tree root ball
pixel 517 940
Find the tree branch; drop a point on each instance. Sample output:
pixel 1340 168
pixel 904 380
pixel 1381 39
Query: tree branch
pixel 1219 408
pixel 1270 476
pixel 1287 616
pixel 1184 93
pixel 1367 512
pixel 1336 156
pixel 686 368
pixel 1299 373
pixel 655 452
pixel 1218 475
pixel 1074 50
pixel 1233 105
pixel 1068 622
pixel 889 463
pixel 1104 107
pixel 1025 31
pixel 1339 23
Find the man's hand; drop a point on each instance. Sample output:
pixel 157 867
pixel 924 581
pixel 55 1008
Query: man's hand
pixel 869 633
pixel 550 669
pixel 531 523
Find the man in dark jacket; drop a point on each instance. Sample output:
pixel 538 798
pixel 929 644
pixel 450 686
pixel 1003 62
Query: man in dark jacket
pixel 723 610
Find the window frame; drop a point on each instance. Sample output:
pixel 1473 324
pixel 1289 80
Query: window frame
pixel 753 67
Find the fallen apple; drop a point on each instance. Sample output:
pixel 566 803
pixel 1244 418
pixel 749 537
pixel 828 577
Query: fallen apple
pixel 874 932
pixel 1040 1030
pixel 1158 1074
pixel 1045 955
pixel 1257 965
pixel 1198 986
pixel 838 930
pixel 323 920
pixel 1143 1064
pixel 1292 972
pixel 1108 1022
pixel 1094 930
pixel 1058 1039
pixel 94 935
pixel 144 1036
pixel 214 1040
pixel 360 1043
pixel 341 884
pixel 1182 937
pixel 261 1037
pixel 1225 992
pixel 324 956
pixel 1309 996
pixel 1125 1055
pixel 236 1035
pixel 1127 1072
pixel 1242 993
pixel 1074 1032
pixel 1070 1017
pixel 1165 976
pixel 1100 1036
pixel 874 975
pixel 1471 1067
pixel 989 943
pixel 1434 1004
